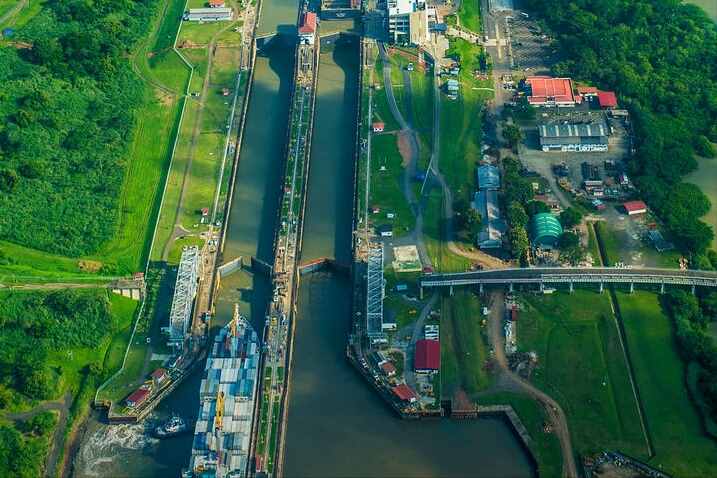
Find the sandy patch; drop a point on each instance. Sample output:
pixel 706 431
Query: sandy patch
pixel 404 147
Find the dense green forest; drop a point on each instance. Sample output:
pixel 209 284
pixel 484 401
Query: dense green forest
pixel 661 58
pixel 66 114
pixel 23 450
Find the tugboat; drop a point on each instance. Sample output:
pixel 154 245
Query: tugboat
pixel 172 427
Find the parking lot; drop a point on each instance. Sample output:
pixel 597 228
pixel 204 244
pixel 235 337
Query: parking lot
pixel 530 47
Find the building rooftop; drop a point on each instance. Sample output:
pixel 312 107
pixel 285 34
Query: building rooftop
pixel 308 23
pixel 573 130
pixel 545 229
pixel 635 206
pixel 544 89
pixel 159 373
pixel 404 392
pixel 607 99
pixel 138 396
pixel 488 177
pixel 428 355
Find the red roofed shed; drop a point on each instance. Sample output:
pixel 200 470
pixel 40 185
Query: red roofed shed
pixel 607 99
pixel 308 24
pixel 378 127
pixel 137 398
pixel 404 392
pixel 428 356
pixel 635 207
pixel 216 3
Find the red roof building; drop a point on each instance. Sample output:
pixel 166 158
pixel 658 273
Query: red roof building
pixel 428 356
pixel 378 127
pixel 159 376
pixel 216 3
pixel 547 91
pixel 308 24
pixel 404 393
pixel 635 207
pixel 607 99
pixel 388 369
pixel 587 91
pixel 137 397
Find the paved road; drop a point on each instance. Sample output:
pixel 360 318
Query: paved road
pixel 555 413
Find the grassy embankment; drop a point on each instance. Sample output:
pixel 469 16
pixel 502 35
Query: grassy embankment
pixel 581 365
pixel 148 156
pixel 464 350
pixel 681 448
pixel 468 16
pixel 199 155
pixel 461 136
pixel 387 165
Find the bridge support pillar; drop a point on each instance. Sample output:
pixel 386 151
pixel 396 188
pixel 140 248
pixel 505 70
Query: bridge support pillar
pixel 480 288
pixel 542 287
pixel 572 287
pixel 510 287
pixel 602 287
pixel 662 288
pixel 694 288
pixel 632 287
pixel 420 292
pixel 450 291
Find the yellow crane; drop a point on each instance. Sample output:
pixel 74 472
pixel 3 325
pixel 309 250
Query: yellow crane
pixel 219 414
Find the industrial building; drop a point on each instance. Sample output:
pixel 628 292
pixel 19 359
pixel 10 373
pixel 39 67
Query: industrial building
pixel 399 19
pixel 547 91
pixel 185 289
pixel 427 358
pixel 564 136
pixel 545 230
pixel 214 14
pixel 486 202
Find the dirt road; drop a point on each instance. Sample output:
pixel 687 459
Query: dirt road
pixel 555 413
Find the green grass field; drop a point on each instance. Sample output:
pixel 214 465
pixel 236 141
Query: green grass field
pixel 381 112
pixel 580 364
pixel 442 258
pixel 463 349
pixel 618 246
pixel 469 15
pixel 386 191
pixel 681 447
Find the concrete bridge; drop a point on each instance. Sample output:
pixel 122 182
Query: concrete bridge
pixel 543 276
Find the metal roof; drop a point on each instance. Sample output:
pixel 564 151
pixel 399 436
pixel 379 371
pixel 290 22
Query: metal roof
pixel 545 229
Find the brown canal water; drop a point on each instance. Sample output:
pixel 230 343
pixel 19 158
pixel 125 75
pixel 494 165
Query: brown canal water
pixel 338 426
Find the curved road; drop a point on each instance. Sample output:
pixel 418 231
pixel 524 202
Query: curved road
pixel 480 257
pixel 555 413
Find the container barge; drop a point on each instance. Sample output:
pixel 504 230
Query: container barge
pixel 222 435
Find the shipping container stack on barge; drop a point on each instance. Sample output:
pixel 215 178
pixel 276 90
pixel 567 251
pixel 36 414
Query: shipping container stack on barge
pixel 222 435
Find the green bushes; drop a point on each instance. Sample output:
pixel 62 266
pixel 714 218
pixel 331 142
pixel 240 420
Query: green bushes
pixel 693 342
pixel 66 116
pixel 670 89
pixel 35 325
